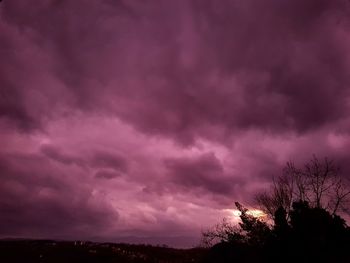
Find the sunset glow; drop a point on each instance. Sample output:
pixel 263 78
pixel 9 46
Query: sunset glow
pixel 253 212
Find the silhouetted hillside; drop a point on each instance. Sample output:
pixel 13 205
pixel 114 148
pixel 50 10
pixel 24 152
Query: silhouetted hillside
pixel 50 251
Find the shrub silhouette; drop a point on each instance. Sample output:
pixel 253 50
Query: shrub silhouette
pixel 311 235
pixel 316 235
pixel 301 232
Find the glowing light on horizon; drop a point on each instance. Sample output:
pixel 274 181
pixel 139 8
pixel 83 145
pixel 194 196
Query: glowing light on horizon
pixel 253 212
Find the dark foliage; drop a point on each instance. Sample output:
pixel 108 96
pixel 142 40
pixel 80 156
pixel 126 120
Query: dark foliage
pixel 311 234
pixel 303 225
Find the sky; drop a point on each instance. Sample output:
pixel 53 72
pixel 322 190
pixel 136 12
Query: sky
pixel 147 120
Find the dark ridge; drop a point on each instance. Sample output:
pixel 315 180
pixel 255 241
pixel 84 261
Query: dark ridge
pixel 52 251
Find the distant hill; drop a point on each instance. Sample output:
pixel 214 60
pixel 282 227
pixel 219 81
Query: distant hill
pixel 51 251
pixel 174 242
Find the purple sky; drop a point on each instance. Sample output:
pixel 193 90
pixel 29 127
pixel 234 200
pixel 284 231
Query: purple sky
pixel 150 118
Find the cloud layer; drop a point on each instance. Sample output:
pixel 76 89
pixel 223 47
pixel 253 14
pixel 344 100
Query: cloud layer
pixel 127 118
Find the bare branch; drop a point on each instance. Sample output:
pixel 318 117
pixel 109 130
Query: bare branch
pixel 319 183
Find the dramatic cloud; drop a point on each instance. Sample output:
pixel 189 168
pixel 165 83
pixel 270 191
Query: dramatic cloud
pixel 130 118
pixel 205 172
pixel 39 200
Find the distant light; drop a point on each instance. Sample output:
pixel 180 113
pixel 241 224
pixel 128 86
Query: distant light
pixel 253 212
pixel 256 213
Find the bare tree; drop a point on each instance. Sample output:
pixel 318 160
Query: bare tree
pixel 341 200
pixel 222 232
pixel 280 195
pixel 283 191
pixel 318 183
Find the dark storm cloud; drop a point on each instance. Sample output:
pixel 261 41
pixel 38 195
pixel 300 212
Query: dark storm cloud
pixel 105 174
pixel 109 160
pixel 204 172
pixel 12 97
pixel 35 201
pixel 41 216
pixel 55 154
pixel 96 160
pixel 13 112
pixel 183 69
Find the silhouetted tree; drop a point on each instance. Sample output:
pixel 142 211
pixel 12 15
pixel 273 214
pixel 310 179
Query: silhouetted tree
pixel 316 233
pixel 254 229
pixel 224 232
pixel 237 243
pixel 305 226
pixel 317 183
pixel 251 230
